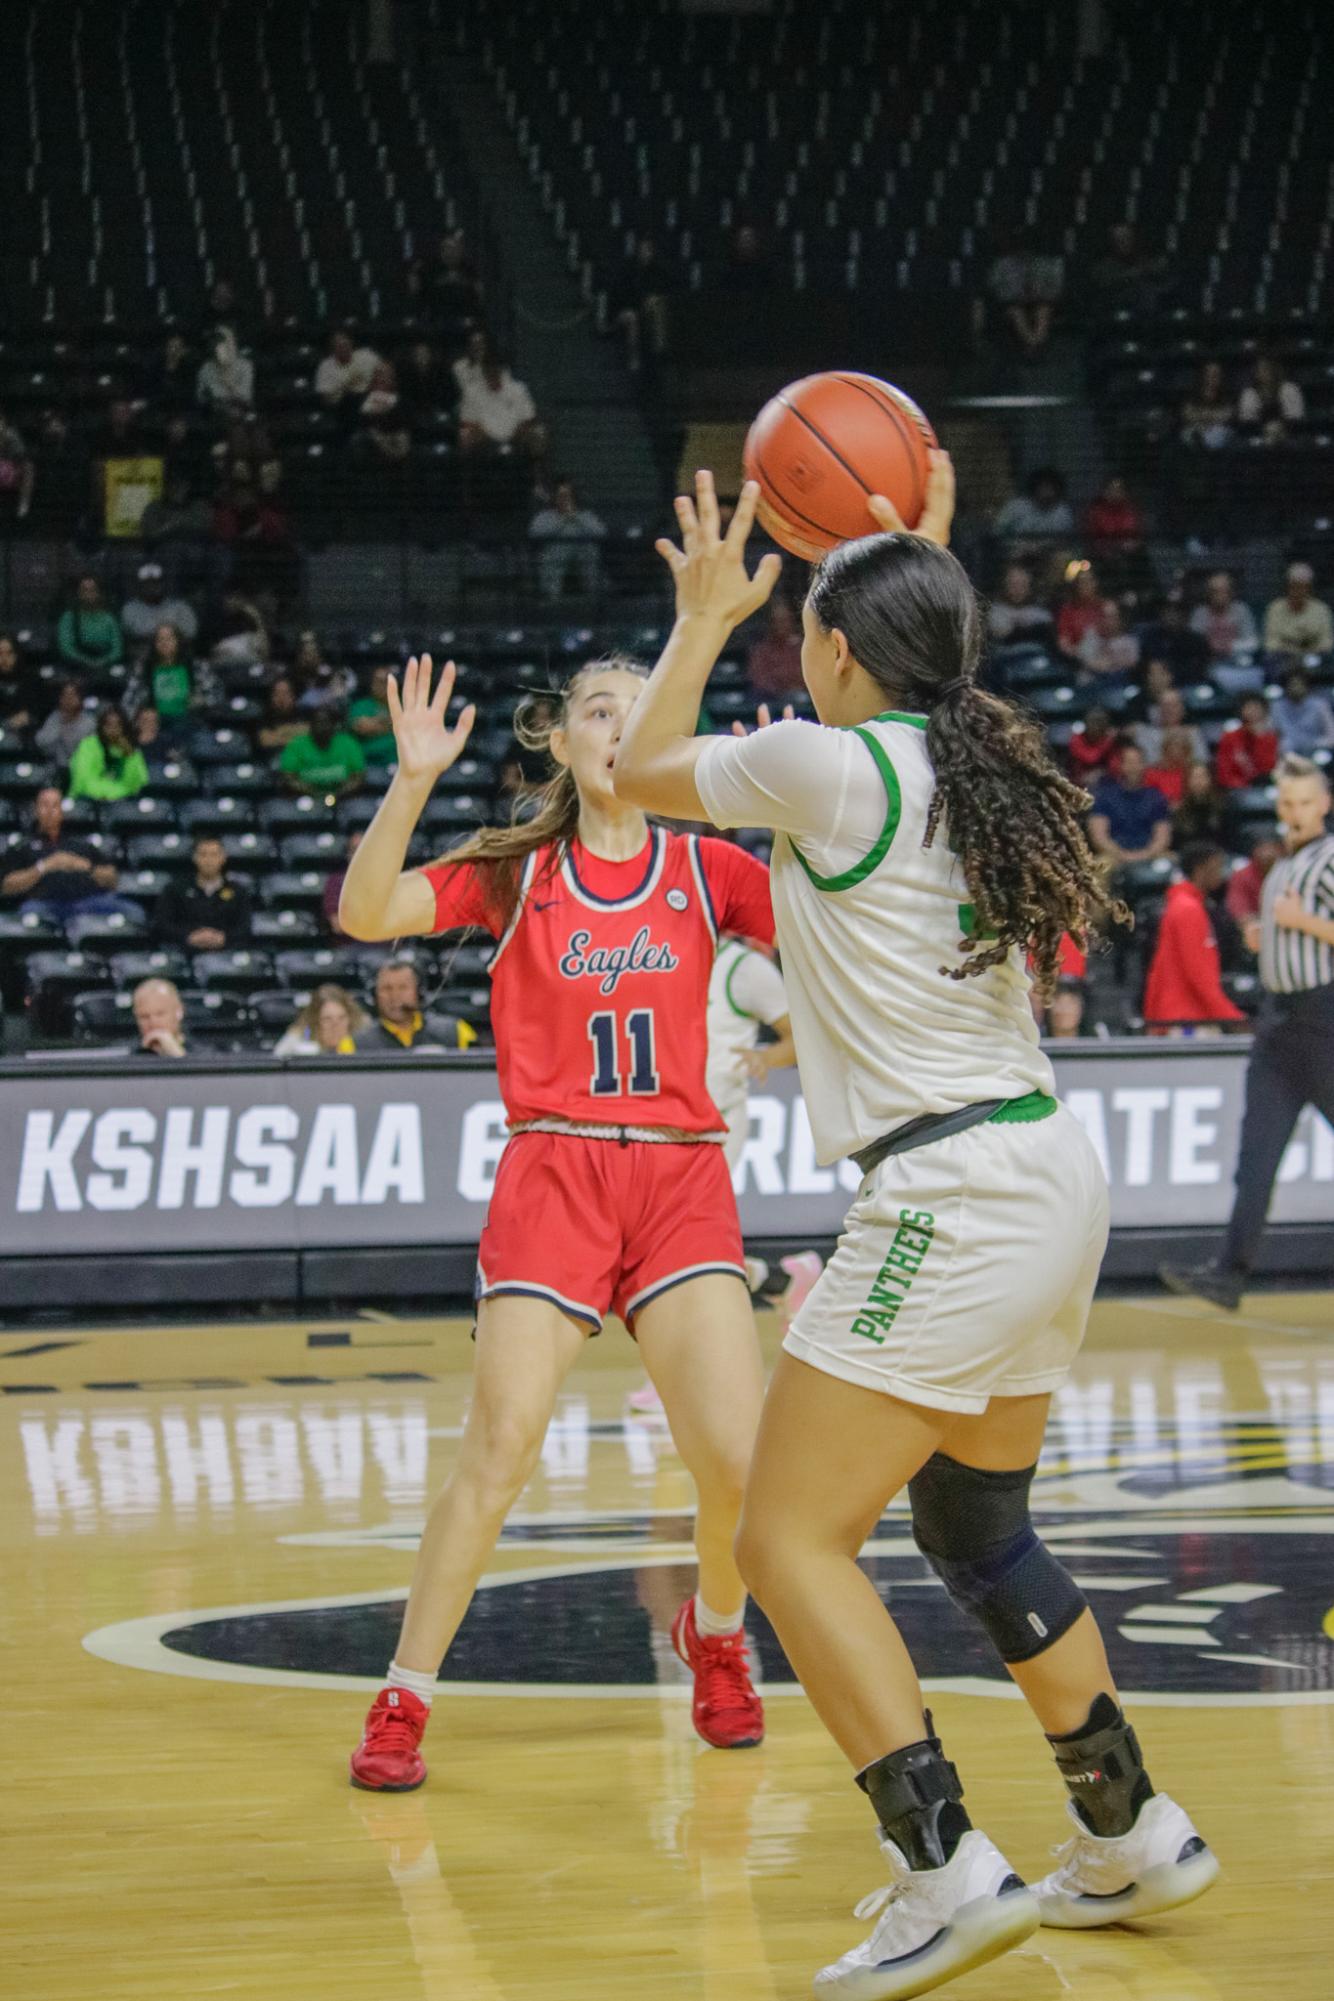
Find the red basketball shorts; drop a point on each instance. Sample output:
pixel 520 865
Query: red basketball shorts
pixel 593 1225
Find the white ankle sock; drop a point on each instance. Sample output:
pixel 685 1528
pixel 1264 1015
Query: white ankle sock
pixel 420 1685
pixel 716 1625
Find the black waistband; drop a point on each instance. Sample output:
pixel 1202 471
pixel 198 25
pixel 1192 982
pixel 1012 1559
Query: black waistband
pixel 920 1132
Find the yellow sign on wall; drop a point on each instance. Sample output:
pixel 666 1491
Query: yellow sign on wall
pixel 127 487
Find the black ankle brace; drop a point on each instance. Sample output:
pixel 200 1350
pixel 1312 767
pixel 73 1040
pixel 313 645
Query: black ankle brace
pixel 1103 1769
pixel 917 1798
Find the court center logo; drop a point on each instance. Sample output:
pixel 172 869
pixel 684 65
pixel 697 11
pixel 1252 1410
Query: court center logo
pixel 1209 1563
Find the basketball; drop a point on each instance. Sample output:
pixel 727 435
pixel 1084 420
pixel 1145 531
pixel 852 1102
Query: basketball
pixel 821 445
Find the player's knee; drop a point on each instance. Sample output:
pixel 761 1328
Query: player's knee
pixel 505 1450
pixel 975 1530
pixel 756 1554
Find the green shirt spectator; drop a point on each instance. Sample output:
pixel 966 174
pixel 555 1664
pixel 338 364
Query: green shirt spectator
pixel 369 721
pixel 106 765
pixel 323 758
pixel 89 635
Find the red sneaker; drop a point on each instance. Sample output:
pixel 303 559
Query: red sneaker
pixel 726 1711
pixel 387 1759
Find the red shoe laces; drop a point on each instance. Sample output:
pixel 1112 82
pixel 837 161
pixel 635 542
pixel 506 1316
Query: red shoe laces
pixel 724 1673
pixel 391 1730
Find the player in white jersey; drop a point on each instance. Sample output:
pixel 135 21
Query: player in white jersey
pixel 927 849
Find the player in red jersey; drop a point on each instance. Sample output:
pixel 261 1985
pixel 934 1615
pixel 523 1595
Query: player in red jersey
pixel 613 1191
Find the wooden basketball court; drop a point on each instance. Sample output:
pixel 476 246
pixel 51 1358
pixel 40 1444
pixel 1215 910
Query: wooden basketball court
pixel 207 1533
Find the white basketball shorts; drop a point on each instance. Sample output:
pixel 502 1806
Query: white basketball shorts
pixel 965 1269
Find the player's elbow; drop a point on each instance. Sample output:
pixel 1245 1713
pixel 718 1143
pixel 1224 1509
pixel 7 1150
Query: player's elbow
pixel 627 780
pixel 356 920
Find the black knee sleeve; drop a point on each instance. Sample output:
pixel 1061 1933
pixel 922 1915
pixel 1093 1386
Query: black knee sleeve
pixel 974 1529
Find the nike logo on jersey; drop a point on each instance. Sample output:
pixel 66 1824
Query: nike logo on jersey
pixel 641 955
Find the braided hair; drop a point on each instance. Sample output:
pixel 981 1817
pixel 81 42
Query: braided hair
pixel 913 621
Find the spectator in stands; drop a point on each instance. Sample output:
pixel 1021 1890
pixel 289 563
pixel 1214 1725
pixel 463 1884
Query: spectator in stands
pixel 18 690
pixel 497 412
pixel 1170 770
pixel 121 433
pixel 181 516
pixel 1015 614
pixel 478 354
pixel 399 1020
pixel 639 305
pixel 282 719
pixel 1082 613
pixel 168 684
pixel 107 764
pixel 384 425
pixel 1130 821
pixel 1208 416
pixel 369 720
pixel 1303 719
pixel 237 633
pixel 66 726
pixel 1026 286
pixel 323 758
pixel 1270 401
pixel 172 381
pixel 1168 713
pixel 1033 521
pixel 1202 814
pixel 17 476
pixel 1298 623
pixel 88 635
pixel 333 886
pixel 1245 887
pixel 1184 986
pixel 317 683
pixel 1224 620
pixel 568 536
pixel 1108 653
pixel 159 750
pixel 210 914
pixel 450 285
pixel 141 615
pixel 1114 527
pixel 344 376
pixel 427 390
pixel 1247 750
pixel 1168 637
pixel 326 1026
pixel 773 662
pixel 749 269
pixel 61 877
pixel 1129 279
pixel 251 523
pixel 226 380
pixel 1063 1017
pixel 1094 750
pixel 159 1016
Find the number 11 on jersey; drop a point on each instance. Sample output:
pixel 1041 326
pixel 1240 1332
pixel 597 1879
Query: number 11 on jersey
pixel 607 1079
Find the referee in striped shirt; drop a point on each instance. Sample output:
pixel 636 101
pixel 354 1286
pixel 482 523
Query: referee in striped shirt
pixel 1292 1056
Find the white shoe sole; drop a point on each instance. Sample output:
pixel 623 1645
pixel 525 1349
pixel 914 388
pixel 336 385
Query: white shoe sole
pixel 977 1932
pixel 1164 1888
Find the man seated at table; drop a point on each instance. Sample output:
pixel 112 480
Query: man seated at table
pixel 159 1016
pixel 400 1022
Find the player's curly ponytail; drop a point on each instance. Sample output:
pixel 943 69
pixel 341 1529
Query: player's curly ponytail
pixel 912 620
pixel 545 815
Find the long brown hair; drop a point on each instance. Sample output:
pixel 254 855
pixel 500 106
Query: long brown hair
pixel 545 815
pixel 912 620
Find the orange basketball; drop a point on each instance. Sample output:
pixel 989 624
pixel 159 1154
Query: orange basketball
pixel 821 445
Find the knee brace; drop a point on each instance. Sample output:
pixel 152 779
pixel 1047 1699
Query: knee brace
pixel 974 1529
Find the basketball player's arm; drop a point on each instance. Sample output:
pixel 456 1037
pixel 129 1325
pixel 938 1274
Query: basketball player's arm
pixel 655 763
pixel 380 898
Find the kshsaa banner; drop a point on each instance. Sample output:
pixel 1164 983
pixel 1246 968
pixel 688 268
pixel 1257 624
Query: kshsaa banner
pixel 180 1157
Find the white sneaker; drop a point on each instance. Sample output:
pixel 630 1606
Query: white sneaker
pixel 1103 1880
pixel 936 1923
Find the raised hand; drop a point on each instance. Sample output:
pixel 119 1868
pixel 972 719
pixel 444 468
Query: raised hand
pixel 937 511
pixel 710 568
pixel 426 744
pixel 763 719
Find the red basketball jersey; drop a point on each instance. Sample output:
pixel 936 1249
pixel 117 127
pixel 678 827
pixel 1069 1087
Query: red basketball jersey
pixel 600 982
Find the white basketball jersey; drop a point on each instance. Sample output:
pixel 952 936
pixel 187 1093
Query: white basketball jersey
pixel 745 989
pixel 882 1034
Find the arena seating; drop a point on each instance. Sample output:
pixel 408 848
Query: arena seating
pixel 922 134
